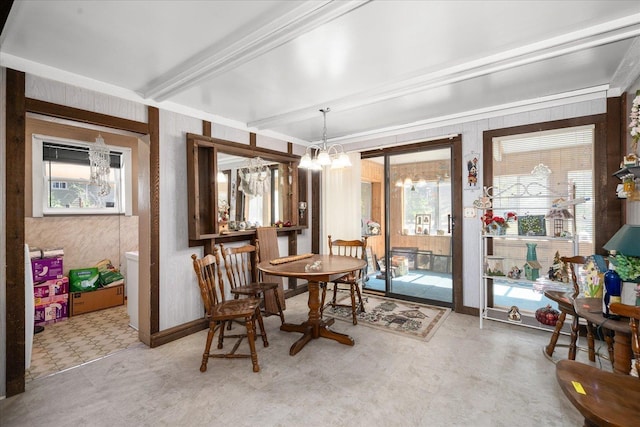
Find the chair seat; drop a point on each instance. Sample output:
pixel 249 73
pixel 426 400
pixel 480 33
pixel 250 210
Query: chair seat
pixel 610 399
pixel 347 279
pixel 254 288
pixel 234 308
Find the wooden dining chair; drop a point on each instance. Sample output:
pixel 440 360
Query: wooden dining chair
pixel 349 282
pixel 565 305
pixel 219 310
pixel 605 398
pixel 267 249
pixel 240 265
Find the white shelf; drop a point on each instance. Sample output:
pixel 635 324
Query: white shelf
pixel 508 252
pixel 534 238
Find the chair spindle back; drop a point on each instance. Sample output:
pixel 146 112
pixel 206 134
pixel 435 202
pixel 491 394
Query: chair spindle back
pixel 209 279
pixel 239 263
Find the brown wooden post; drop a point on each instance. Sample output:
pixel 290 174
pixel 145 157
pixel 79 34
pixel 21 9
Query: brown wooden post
pixel 15 238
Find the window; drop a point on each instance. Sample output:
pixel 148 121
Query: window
pixel 58 185
pixel 61 179
pixel 568 155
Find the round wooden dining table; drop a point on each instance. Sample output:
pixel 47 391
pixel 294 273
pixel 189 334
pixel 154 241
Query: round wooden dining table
pixel 315 269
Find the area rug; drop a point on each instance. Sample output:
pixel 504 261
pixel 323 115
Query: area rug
pixel 406 318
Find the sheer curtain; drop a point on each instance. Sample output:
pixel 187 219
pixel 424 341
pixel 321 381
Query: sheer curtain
pixel 341 203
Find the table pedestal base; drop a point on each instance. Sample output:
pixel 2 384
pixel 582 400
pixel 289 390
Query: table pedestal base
pixel 314 331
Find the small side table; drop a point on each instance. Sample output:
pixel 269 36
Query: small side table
pixel 591 310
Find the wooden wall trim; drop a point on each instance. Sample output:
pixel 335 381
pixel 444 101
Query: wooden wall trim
pixel 607 156
pixel 315 210
pixel 178 332
pixel 84 116
pixel 15 238
pixel 154 183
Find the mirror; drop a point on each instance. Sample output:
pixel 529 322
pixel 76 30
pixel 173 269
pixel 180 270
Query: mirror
pixel 218 197
pixel 254 191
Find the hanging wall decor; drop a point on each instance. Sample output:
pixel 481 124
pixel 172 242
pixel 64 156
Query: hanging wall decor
pixel 472 162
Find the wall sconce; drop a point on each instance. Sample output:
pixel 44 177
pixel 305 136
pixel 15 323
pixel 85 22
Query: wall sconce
pixel 302 206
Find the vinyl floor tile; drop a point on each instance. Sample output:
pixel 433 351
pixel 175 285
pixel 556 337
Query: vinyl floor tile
pixel 80 339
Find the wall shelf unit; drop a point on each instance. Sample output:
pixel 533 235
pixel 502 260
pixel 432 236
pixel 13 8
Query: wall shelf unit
pixel 501 256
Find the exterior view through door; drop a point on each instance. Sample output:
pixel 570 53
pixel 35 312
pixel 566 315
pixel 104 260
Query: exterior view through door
pixel 410 236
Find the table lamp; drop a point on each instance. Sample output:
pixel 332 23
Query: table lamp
pixel 626 241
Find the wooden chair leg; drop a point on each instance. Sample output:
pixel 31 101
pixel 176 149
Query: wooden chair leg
pixel 574 338
pixel 556 334
pixel 280 312
pixel 263 333
pixel 221 336
pixel 591 342
pixel 609 340
pixel 207 347
pixel 360 298
pixel 335 294
pixel 252 344
pixel 354 307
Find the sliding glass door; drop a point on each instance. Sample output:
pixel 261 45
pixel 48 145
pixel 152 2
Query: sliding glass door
pixel 413 252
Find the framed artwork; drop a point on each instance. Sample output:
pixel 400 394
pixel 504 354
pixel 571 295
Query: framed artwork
pixel 423 223
pixel 532 225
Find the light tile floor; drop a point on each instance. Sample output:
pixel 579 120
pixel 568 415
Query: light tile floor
pixel 80 339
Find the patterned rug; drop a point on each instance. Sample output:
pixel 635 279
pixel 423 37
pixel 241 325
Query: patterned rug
pixel 405 318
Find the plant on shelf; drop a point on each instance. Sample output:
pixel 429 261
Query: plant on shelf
pixel 497 225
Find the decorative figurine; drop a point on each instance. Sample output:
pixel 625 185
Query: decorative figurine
pixel 514 314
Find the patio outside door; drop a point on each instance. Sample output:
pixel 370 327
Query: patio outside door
pixel 417 262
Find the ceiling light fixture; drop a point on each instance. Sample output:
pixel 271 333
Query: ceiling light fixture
pixel 324 154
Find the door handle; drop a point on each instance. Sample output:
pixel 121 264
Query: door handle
pixel 450 224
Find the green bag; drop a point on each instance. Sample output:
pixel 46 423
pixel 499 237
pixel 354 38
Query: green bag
pixel 84 279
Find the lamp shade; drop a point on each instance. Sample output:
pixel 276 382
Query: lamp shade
pixel 626 241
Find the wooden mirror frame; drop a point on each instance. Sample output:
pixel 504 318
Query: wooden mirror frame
pixel 202 160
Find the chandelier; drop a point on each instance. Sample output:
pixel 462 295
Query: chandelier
pixel 325 155
pixel 253 177
pixel 100 166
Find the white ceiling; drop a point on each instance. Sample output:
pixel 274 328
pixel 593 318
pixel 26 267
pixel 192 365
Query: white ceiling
pixel 269 66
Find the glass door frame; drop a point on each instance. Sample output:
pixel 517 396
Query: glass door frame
pixel 455 145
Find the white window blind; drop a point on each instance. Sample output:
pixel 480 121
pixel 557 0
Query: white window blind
pixel 567 153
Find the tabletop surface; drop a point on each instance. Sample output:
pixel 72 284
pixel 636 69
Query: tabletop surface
pixel 591 310
pixel 329 264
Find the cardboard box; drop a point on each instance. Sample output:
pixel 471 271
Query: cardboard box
pixel 52 312
pixel 46 269
pixel 86 302
pixel 50 288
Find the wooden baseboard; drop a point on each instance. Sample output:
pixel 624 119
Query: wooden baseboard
pixel 180 331
pixel 177 332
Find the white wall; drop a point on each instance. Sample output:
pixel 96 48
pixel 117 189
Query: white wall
pixel 180 300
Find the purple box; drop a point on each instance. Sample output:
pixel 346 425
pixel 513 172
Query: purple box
pixel 47 269
pixel 52 312
pixel 50 288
